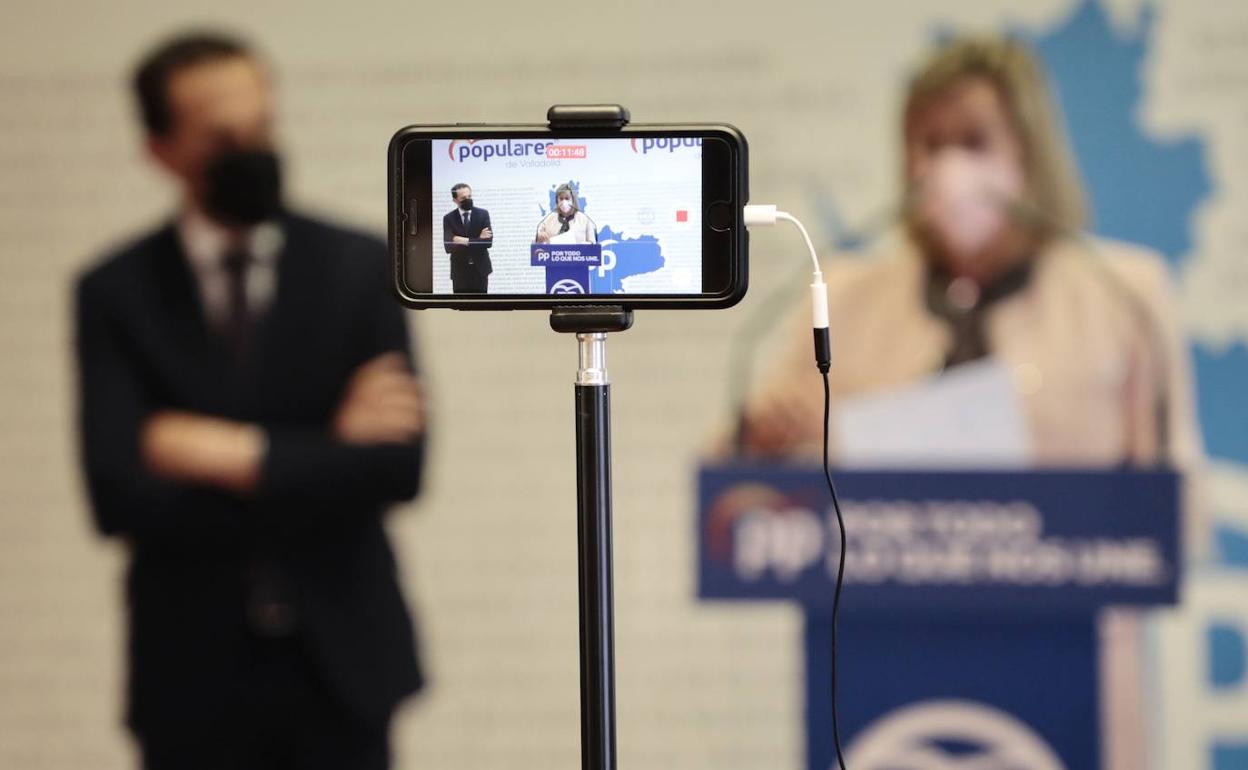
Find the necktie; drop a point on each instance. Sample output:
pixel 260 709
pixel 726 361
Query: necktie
pixel 238 319
pixel 467 216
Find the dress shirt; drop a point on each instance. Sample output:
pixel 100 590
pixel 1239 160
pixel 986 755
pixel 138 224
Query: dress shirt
pixel 206 244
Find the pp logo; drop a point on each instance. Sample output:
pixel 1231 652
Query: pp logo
pixel 543 256
pixel 567 286
pixel 915 738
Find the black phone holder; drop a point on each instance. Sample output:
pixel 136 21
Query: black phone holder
pixel 591 116
pixel 591 324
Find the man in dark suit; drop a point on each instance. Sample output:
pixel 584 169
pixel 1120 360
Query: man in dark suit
pixel 248 410
pixel 467 236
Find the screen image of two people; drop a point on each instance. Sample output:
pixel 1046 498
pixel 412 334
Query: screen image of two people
pixel 467 235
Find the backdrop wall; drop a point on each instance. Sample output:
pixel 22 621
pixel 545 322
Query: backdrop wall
pixel 1158 100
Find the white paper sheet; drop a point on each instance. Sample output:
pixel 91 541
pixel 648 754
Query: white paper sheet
pixel 968 417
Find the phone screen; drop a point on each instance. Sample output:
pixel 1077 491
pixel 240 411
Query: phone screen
pixel 541 215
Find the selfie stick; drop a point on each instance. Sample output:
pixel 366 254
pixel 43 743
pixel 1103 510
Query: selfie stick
pixel 591 324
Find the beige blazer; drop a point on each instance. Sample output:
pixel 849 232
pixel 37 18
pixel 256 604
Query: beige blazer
pixel 581 228
pixel 1091 341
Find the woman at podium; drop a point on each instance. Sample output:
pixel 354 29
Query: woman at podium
pixel 566 223
pixel 990 329
pixel 991 271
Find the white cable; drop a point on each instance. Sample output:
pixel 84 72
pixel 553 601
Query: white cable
pixel 805 236
pixel 765 215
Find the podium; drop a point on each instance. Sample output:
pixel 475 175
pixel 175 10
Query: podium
pixel 967 634
pixel 567 265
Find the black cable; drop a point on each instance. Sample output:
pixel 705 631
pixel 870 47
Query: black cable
pixel 767 215
pixel 840 567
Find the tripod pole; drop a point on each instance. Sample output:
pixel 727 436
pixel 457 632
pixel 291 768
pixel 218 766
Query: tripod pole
pixel 593 481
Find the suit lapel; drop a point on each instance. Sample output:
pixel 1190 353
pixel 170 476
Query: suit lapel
pixel 185 306
pixel 178 294
pixel 275 325
pixel 292 342
pixel 196 354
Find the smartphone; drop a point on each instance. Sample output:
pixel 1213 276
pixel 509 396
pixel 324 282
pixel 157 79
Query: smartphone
pixel 528 217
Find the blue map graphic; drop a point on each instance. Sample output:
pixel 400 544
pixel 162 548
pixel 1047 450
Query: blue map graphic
pixel 1141 189
pixel 633 256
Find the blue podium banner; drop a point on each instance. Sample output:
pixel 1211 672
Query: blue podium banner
pixel 565 255
pixel 567 265
pixel 1038 542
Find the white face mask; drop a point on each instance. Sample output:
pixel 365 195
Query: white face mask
pixel 965 198
pixel 565 206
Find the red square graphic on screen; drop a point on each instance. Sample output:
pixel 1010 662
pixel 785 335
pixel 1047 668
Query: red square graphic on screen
pixel 682 215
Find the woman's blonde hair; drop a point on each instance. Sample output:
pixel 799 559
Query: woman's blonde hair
pixel 1053 199
pixel 565 187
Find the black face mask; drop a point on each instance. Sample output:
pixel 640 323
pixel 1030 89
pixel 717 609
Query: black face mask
pixel 243 187
pixel 466 204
